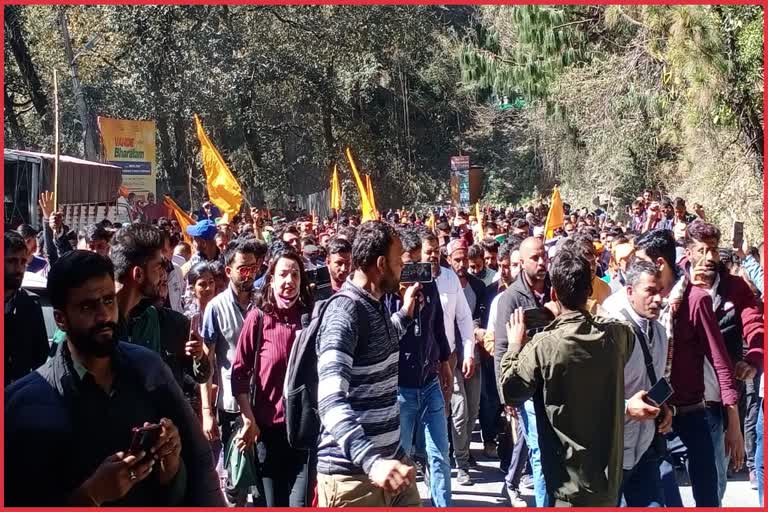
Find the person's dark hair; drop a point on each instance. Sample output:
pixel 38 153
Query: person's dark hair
pixel 374 239
pixel 659 243
pixel 514 242
pixel 700 231
pixel 475 251
pixel 338 246
pixel 198 270
pixel 490 245
pixel 348 232
pixel 220 234
pixel 292 229
pixel 578 244
pixel 247 245
pixel 571 277
pixel 443 226
pixel 73 270
pixel 506 249
pixel 427 236
pixel 679 202
pixel 133 246
pixel 14 242
pixel 26 231
pixel 217 268
pixel 265 299
pixel 93 233
pixel 491 225
pixel 637 268
pixel 410 239
pixel 521 224
pixel 666 202
pixel 637 204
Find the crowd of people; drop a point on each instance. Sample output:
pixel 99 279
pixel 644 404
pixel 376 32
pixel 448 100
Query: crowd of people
pixel 165 381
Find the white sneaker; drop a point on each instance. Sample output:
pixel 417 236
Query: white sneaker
pixel 514 498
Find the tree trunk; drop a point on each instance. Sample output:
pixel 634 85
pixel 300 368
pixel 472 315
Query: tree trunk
pixel 15 38
pixel 330 143
pixel 90 146
pixel 11 120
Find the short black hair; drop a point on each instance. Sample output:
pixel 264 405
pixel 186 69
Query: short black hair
pixel 199 269
pixel 699 231
pixel 659 243
pixel 133 246
pixel 410 239
pixel 490 245
pixel 244 245
pixel 637 268
pixel 521 224
pixel 475 251
pixel 94 232
pixel 338 246
pixel 506 249
pixel 26 231
pixel 348 232
pixel 571 277
pixel 374 239
pixel 73 270
pixel 679 202
pixel 14 242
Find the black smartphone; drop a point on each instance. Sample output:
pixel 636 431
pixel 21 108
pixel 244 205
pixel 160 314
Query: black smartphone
pixel 319 276
pixel 660 392
pixel 144 438
pixel 738 234
pixel 416 273
pixel 537 318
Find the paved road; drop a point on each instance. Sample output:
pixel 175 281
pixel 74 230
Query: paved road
pixel 488 483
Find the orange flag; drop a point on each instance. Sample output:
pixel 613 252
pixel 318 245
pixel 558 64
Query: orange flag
pixel 365 203
pixel 184 219
pixel 335 190
pixel 369 189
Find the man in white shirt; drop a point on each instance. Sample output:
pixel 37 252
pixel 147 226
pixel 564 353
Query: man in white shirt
pixel 641 308
pixel 456 312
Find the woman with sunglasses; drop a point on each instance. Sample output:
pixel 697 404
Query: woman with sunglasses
pixel 262 357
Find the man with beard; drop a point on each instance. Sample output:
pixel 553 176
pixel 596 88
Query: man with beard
pixel 465 400
pixel 477 265
pixel 77 412
pixel 458 323
pixel 360 460
pixel 339 263
pixel 530 290
pixel 741 324
pixel 203 235
pixel 141 274
pixel 222 322
pixel 26 342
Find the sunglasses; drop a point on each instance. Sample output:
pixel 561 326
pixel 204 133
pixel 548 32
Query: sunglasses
pixel 247 271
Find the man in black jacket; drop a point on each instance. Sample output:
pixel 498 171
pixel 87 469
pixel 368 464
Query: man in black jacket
pixel 465 401
pixel 70 426
pixel 26 342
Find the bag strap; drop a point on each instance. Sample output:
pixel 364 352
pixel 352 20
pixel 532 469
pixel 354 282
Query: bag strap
pixel 640 335
pixel 258 337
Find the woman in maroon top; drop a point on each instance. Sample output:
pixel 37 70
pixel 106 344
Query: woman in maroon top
pixel 262 358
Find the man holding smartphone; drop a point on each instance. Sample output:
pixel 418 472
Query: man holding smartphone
pixel 641 307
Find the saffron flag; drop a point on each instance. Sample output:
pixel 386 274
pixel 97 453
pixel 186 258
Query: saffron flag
pixel 335 190
pixel 431 221
pixel 365 203
pixel 184 219
pixel 555 215
pixel 223 189
pixel 369 189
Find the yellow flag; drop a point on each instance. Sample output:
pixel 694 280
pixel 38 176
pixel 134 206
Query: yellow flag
pixel 555 215
pixel 335 190
pixel 369 189
pixel 365 203
pixel 479 217
pixel 431 221
pixel 223 189
pixel 181 216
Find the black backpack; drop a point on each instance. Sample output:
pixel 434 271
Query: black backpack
pixel 302 418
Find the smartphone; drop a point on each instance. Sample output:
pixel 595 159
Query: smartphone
pixel 144 438
pixel 660 392
pixel 537 318
pixel 738 234
pixel 416 273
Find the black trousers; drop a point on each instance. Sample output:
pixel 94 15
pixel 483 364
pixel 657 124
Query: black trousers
pixel 288 475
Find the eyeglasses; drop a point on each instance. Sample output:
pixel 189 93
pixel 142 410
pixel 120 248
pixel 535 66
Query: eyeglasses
pixel 247 271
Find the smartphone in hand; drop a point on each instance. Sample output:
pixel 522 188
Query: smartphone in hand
pixel 660 392
pixel 144 438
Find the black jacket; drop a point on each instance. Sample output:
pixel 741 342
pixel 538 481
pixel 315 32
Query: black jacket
pixel 26 342
pixel 45 445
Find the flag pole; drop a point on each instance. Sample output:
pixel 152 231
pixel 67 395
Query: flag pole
pixel 55 141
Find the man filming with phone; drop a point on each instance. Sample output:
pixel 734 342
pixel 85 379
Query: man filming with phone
pixel 644 419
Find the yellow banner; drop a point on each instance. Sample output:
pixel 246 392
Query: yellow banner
pixel 555 215
pixel 368 212
pixel 223 189
pixel 184 219
pixel 130 145
pixel 335 190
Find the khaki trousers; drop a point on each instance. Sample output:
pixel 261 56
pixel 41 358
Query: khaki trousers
pixel 359 491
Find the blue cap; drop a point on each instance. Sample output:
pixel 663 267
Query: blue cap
pixel 205 229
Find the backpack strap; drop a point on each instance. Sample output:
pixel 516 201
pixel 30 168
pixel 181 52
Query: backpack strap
pixel 258 337
pixel 641 338
pixel 363 331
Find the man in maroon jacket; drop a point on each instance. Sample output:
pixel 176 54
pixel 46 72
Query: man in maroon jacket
pixel 739 321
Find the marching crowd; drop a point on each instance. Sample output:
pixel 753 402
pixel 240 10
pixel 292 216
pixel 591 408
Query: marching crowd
pixel 290 361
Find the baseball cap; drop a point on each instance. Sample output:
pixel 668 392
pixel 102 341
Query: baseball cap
pixel 205 229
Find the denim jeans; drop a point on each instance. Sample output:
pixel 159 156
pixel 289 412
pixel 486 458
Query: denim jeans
pixel 693 430
pixel 519 454
pixel 641 486
pixel 759 452
pixel 532 440
pixel 422 410
pixel 715 422
pixel 490 405
pixel 752 405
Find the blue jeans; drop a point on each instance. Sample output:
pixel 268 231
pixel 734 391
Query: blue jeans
pixel 532 440
pixel 693 430
pixel 715 421
pixel 424 409
pixel 641 486
pixel 759 453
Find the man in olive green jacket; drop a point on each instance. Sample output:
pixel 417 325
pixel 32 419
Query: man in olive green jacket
pixel 574 370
